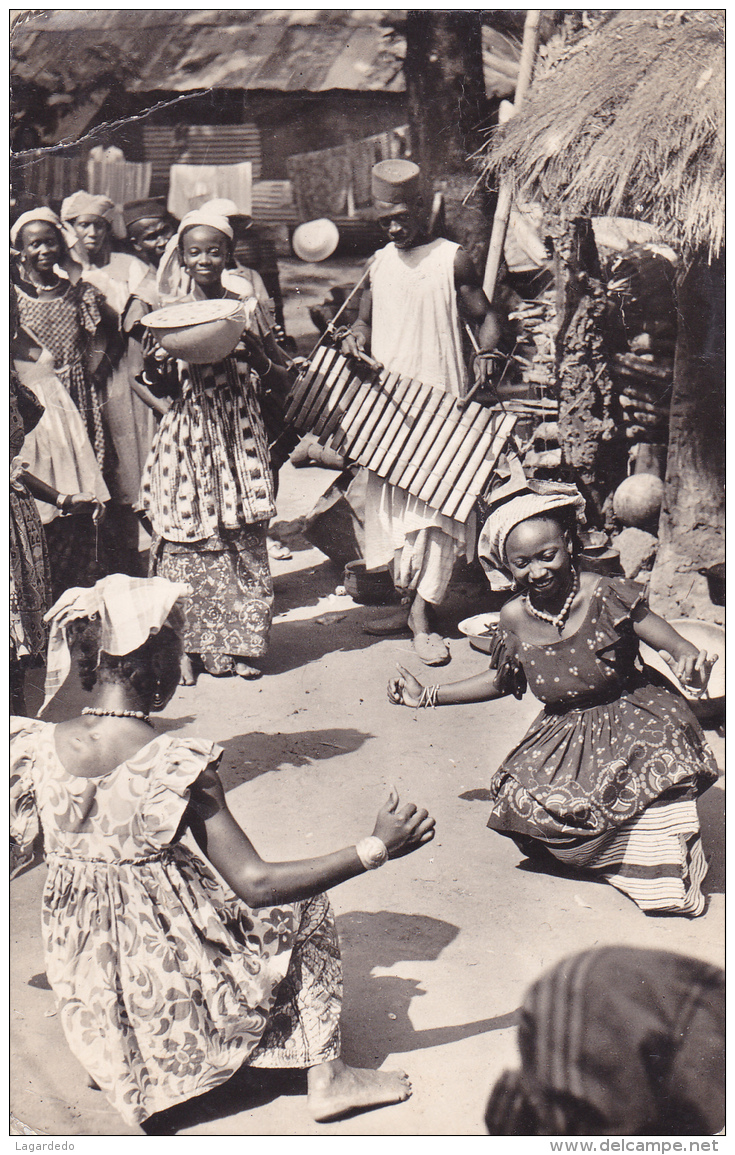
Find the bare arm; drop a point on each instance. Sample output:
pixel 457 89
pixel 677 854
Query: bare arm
pixel 406 689
pixel 402 829
pixel 474 304
pixel 691 666
pixel 43 492
pixel 159 405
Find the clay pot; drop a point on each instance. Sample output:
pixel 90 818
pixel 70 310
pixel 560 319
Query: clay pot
pixel 715 575
pixel 637 500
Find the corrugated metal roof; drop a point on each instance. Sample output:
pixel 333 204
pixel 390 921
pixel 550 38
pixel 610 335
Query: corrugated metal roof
pixel 184 51
pixel 279 49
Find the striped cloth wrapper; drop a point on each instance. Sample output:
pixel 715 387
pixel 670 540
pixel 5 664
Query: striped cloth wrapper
pixel 655 858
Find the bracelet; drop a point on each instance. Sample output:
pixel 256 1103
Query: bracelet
pixel 63 501
pixel 429 696
pixel 372 852
pixel 267 371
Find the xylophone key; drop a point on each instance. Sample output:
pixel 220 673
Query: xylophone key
pixel 401 403
pixel 448 434
pixel 328 367
pixel 382 404
pixel 331 397
pixel 337 418
pixel 408 459
pixel 302 385
pixel 478 469
pixel 423 454
pixel 472 427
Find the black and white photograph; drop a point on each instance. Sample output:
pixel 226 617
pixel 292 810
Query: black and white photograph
pixel 367 576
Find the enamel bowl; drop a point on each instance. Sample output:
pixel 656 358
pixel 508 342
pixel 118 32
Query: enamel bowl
pixel 705 636
pixel 480 630
pixel 200 332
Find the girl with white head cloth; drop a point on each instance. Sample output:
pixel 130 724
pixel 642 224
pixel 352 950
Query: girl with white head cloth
pixel 167 978
pixel 61 312
pixel 208 487
pixel 608 775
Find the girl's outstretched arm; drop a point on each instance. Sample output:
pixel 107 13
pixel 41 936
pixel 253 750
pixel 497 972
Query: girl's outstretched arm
pixel 691 666
pixel 402 829
pixel 406 690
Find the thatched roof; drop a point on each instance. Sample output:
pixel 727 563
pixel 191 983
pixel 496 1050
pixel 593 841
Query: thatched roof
pixel 628 121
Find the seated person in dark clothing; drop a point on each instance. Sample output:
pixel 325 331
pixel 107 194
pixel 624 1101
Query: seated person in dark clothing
pixel 618 1041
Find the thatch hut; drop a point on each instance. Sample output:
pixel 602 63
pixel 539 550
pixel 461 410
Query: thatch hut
pixel 628 120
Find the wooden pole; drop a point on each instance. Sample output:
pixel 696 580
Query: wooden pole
pixel 505 200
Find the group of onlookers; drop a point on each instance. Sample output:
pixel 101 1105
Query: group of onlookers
pixel 81 353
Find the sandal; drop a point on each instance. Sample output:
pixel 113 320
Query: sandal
pixel 431 649
pixel 278 550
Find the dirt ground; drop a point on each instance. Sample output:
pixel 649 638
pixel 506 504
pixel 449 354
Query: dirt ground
pixel 439 947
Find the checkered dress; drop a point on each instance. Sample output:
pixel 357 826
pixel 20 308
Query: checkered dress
pixel 64 325
pixel 209 469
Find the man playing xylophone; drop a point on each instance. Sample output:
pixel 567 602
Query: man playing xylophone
pixel 409 321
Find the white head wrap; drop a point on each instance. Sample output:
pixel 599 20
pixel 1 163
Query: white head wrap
pixel 221 206
pixel 42 213
pixel 173 281
pixel 130 610
pixel 534 500
pixel 71 256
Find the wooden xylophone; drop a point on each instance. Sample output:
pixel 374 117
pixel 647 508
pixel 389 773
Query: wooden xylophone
pixel 412 435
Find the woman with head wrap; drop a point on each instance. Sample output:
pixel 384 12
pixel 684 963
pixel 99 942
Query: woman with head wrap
pixel 208 487
pixel 167 978
pixel 618 1041
pixel 130 422
pixel 608 775
pixel 60 312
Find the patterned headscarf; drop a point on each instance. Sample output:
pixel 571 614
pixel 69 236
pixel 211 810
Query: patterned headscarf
pixel 84 204
pixel 173 281
pixel 534 500
pixel 130 610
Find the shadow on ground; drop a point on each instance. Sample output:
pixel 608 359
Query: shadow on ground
pixel 247 756
pixel 370 940
pixel 379 940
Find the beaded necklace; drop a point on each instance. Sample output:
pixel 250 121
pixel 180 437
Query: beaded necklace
pixel 556 620
pixel 98 712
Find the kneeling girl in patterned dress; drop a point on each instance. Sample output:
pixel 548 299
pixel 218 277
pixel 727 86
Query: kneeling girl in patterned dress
pixel 168 978
pixel 608 775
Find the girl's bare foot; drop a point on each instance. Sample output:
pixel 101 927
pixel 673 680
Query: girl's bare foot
pixel 188 677
pixel 245 670
pixel 336 1089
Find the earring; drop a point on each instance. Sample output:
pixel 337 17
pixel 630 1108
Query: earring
pixel 514 585
pixel 158 699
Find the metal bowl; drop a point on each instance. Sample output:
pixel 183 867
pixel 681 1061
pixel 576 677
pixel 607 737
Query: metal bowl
pixel 705 636
pixel 480 630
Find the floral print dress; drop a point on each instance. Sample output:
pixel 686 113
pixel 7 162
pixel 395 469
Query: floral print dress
pixel 166 982
pixel 608 774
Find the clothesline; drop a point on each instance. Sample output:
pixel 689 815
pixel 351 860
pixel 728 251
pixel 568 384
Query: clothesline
pixel 335 182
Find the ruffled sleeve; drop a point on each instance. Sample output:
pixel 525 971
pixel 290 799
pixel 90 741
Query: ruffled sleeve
pixel 503 657
pixel 176 769
pixel 24 824
pixel 89 299
pixel 620 597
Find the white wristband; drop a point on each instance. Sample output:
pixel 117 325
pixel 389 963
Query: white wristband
pixel 372 852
